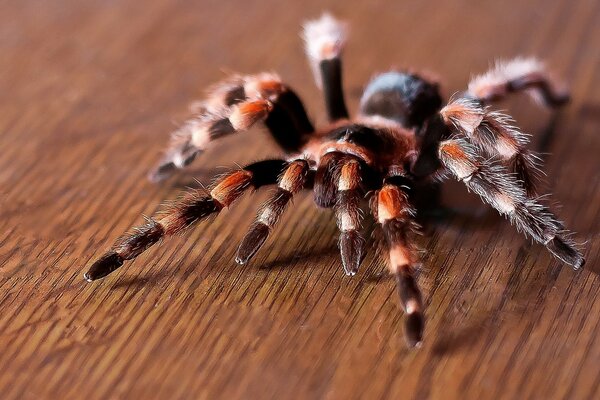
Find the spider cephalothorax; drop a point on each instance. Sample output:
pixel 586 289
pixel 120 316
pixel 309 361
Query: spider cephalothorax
pixel 401 139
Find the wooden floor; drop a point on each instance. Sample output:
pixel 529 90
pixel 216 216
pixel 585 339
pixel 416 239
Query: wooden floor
pixel 88 94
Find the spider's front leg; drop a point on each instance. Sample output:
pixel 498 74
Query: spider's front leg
pixel 497 187
pixel 495 135
pixel 183 213
pixel 392 210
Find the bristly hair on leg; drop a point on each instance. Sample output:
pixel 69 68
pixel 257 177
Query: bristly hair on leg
pixel 232 105
pixel 497 187
pixel 496 136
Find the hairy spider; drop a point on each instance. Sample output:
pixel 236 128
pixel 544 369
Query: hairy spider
pixel 401 139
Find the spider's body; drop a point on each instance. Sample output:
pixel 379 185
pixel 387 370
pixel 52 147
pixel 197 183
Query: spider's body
pixel 401 139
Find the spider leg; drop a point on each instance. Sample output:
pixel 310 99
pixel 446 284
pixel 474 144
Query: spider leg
pixel 184 212
pixel 519 74
pixel 294 178
pixel 347 211
pixel 236 105
pixel 497 187
pixel 392 210
pixel 496 135
pixel 325 39
pixel 326 178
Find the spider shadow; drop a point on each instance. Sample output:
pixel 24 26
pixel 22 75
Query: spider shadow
pixel 453 340
pixel 316 256
pixel 548 134
pixel 306 255
pixel 467 213
pixel 378 277
pixel 144 280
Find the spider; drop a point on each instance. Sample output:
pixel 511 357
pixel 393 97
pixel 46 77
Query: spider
pixel 402 138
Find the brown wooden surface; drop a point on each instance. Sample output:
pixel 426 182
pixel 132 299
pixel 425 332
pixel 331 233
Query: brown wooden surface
pixel 88 93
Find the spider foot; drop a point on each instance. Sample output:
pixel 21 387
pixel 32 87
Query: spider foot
pixel 104 266
pixel 252 242
pixel 351 249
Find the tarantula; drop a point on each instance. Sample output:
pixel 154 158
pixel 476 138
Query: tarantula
pixel 401 139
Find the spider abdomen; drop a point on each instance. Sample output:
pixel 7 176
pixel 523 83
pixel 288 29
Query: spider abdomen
pixel 405 98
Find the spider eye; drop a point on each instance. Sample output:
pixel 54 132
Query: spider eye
pixel 360 135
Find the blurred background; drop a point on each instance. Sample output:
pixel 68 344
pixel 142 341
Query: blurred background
pixel 89 92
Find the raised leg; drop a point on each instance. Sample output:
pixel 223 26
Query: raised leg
pixel 325 39
pixel 521 74
pixel 497 187
pixel 391 209
pixel 184 212
pixel 293 179
pixel 236 105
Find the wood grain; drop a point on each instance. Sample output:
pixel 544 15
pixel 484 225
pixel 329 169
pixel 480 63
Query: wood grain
pixel 89 91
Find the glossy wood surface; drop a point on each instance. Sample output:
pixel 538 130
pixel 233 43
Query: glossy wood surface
pixel 88 94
